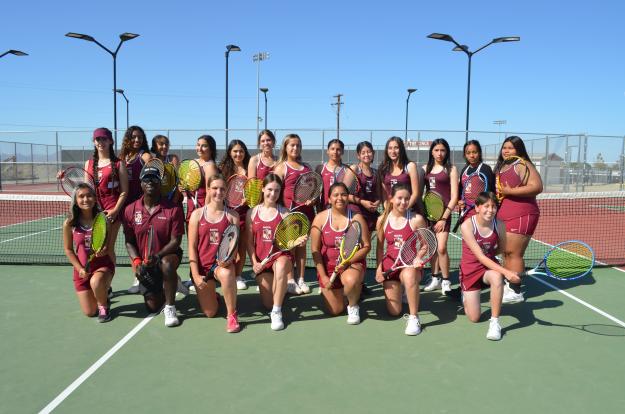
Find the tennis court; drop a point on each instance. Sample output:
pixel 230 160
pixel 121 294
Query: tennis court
pixel 561 349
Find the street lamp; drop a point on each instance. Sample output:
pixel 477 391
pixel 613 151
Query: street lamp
pixel 229 48
pixel 121 92
pixel 122 38
pixel 264 91
pixel 465 49
pixel 14 52
pixel 410 91
pixel 259 57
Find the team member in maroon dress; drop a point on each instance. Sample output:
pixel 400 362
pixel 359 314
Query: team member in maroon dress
pixel 134 152
pixel 206 150
pixel 397 168
pixel 328 170
pixel 395 226
pixel 264 162
pixel 236 161
pixel 290 166
pixel 482 238
pixel 167 223
pixel 111 181
pixel 367 200
pixel 206 227
pixel 261 224
pixel 442 177
pixel 328 229
pixel 472 151
pixel 519 211
pixel 91 287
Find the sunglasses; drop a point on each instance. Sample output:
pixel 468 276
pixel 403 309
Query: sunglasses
pixel 150 179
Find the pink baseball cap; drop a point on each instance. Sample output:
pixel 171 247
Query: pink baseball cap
pixel 102 133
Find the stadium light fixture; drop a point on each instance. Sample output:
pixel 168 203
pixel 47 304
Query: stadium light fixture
pixel 410 92
pixel 122 38
pixel 14 52
pixel 121 92
pixel 465 49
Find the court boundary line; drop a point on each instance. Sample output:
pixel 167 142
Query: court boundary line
pixel 94 367
pixel 570 296
pixel 30 235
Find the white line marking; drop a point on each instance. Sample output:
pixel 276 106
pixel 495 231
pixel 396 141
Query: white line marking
pixel 93 368
pixel 578 300
pixel 29 235
pixel 33 221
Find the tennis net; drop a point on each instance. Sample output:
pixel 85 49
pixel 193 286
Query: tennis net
pixel 31 228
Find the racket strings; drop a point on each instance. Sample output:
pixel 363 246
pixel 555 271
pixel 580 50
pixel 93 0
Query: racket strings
pixel 98 232
pixel 351 239
pixel 169 180
pixel 189 175
pixel 349 178
pixel 291 228
pixel 228 243
pixel 472 189
pixel 252 191
pixel 308 187
pixel 569 260
pixel 234 191
pixel 434 206
pixel 426 244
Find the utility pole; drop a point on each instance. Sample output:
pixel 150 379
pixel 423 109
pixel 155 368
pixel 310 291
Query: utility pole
pixel 338 104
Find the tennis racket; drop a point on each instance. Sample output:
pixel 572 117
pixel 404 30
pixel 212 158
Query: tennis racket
pixel 292 227
pixel 568 260
pixel 475 184
pixel 149 275
pixel 307 188
pixel 252 190
pixel 235 195
pixel 227 248
pixel 434 206
pixel 513 173
pixel 350 243
pixel 416 251
pixel 148 246
pixel 169 182
pixel 155 163
pixel 71 177
pixel 190 177
pixel 98 237
pixel 347 176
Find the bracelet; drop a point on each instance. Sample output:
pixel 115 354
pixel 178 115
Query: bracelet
pixel 136 261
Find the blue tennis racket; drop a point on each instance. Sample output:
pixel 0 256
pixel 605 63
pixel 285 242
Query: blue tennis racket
pixel 568 260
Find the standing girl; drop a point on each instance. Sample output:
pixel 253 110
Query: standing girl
pixel 134 153
pixel 236 161
pixel 395 226
pixel 326 233
pixel 328 170
pixel 483 237
pixel 160 149
pixel 519 211
pixel 91 287
pixel 289 168
pixel 397 168
pixel 206 227
pixel 111 181
pixel 261 224
pixel 441 177
pixel 264 162
pixel 472 152
pixel 206 150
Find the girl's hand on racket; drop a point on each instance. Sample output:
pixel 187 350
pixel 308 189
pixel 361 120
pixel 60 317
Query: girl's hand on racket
pixel 59 175
pixel 111 215
pixel 417 263
pixel 341 267
pixel 300 241
pixel 326 282
pixel 257 268
pixel 511 276
pixel 82 273
pixel 439 226
pixel 225 263
pixel 104 251
pixel 368 205
pixel 199 282
pixel 461 204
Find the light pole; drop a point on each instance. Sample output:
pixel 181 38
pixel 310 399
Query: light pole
pixel 410 91
pixel 121 92
pixel 499 123
pixel 465 49
pixel 259 57
pixel 122 38
pixel 16 53
pixel 229 48
pixel 264 91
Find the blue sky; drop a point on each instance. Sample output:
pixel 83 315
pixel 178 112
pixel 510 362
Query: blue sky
pixel 566 75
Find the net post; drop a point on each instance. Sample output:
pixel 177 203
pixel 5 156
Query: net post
pixel 621 163
pixel 58 154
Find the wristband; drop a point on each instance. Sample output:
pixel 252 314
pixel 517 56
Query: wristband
pixel 136 261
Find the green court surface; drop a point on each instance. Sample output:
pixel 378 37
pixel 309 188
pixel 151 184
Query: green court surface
pixel 556 354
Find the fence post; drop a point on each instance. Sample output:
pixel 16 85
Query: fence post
pixel 585 155
pixel 15 160
pixel 323 143
pixel 546 179
pixel 58 154
pixel 621 162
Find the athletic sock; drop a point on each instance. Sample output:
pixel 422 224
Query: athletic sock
pixel 276 308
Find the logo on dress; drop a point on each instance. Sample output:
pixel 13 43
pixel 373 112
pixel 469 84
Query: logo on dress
pixel 432 182
pixel 138 217
pixel 213 236
pixel 88 241
pixel 369 186
pixel 398 240
pixel 267 234
pixel 337 242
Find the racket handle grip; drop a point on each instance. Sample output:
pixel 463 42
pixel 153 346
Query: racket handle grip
pixel 386 274
pixel 524 274
pixel 332 279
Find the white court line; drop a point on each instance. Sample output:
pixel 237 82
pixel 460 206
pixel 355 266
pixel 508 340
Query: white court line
pixel 578 300
pixel 30 235
pixel 570 296
pixel 32 221
pixel 93 368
